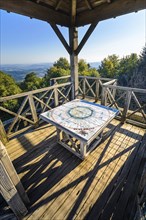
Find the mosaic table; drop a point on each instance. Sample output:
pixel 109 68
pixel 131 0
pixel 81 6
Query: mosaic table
pixel 79 125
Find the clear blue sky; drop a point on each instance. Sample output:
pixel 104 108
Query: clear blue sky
pixel 26 41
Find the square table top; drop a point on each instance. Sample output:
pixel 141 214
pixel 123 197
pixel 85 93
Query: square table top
pixel 80 118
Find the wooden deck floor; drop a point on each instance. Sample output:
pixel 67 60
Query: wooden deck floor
pixel 61 186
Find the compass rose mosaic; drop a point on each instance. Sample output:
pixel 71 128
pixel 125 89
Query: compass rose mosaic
pixel 80 117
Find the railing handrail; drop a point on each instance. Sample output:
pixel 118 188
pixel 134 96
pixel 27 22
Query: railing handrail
pixel 6 98
pixel 61 77
pixel 110 82
pixel 125 88
pixel 94 77
pixel 87 77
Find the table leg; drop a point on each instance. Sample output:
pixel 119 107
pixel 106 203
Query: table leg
pixel 83 149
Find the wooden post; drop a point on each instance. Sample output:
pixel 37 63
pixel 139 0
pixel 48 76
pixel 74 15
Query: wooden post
pixel 126 105
pixel 96 90
pixel 10 185
pixel 73 39
pixel 3 135
pixel 56 96
pixel 84 88
pixel 33 108
pixel 114 90
pixel 104 96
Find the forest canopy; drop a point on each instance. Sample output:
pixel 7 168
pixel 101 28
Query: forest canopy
pixel 129 71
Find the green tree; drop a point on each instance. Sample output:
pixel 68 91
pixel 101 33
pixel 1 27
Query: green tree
pixel 138 79
pixel 109 67
pixel 31 82
pixel 62 63
pixel 8 87
pixel 60 68
pixel 127 68
pixel 84 69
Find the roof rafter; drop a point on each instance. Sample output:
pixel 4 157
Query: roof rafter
pixel 35 10
pixel 58 4
pixel 113 9
pixel 88 4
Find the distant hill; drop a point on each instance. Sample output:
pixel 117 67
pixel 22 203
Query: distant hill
pixel 19 71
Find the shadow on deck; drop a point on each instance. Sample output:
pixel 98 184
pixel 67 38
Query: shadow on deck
pixel 61 186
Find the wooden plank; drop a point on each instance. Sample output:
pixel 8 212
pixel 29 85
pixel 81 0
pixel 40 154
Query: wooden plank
pixel 43 103
pixel 15 114
pixel 64 96
pixel 38 212
pixel 3 135
pixel 96 90
pixel 72 178
pixel 139 105
pixel 110 82
pixel 106 205
pixel 126 88
pixel 33 10
pixel 87 167
pixel 55 181
pixel 18 113
pixel 28 143
pixel 90 87
pixel 58 3
pixel 88 4
pixel 131 206
pixel 33 109
pixel 6 162
pixel 10 194
pixel 114 101
pixel 103 182
pixel 126 106
pixel 34 92
pixel 125 196
pixel 116 8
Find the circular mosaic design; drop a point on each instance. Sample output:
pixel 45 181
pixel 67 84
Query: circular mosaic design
pixel 80 112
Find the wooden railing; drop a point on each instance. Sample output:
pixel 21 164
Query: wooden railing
pixel 131 103
pixel 62 79
pixel 91 87
pixel 30 105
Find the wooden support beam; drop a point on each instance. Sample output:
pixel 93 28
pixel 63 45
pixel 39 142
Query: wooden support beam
pixel 61 38
pixel 35 10
pixel 73 39
pixel 73 12
pixel 33 109
pixel 112 10
pixel 3 135
pixel 10 185
pixel 58 4
pixel 88 4
pixel 86 37
pixel 6 161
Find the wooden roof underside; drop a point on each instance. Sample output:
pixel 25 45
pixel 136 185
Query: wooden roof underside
pixel 72 13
